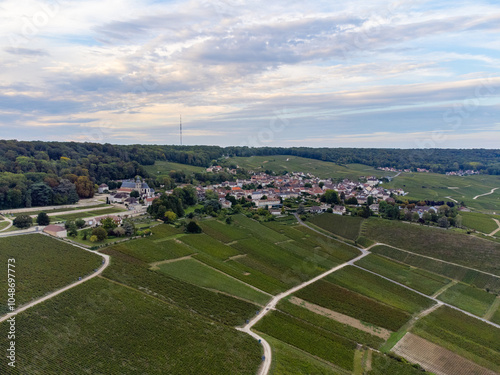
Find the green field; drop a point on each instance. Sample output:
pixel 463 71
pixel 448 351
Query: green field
pixel 382 290
pixel 475 301
pixel 330 325
pixel 464 335
pixel 290 360
pixel 103 328
pixel 42 265
pixel 436 243
pixel 210 246
pixel 223 232
pixel 322 169
pixel 318 342
pixel 344 226
pixel 384 365
pixel 433 186
pixel 162 168
pixel 81 215
pixel 480 222
pixel 415 278
pixel 467 276
pixel 55 210
pixel 350 303
pixel 197 273
pixel 4 224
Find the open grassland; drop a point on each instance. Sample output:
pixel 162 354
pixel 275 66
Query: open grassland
pixel 382 290
pixel 330 325
pixel 433 186
pixel 473 300
pixel 318 168
pixel 216 306
pixel 42 265
pixel 467 276
pixel 462 334
pixel 385 365
pixel 343 226
pixel 347 302
pixel 197 273
pixel 163 168
pixel 480 222
pixel 437 243
pixel 418 279
pixel 290 360
pixel 316 341
pixel 160 246
pixel 82 215
pixel 103 328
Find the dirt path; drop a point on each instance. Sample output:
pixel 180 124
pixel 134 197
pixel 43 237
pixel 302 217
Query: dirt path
pixel 444 288
pixel 341 318
pixel 450 198
pixel 482 195
pixel 496 230
pixel 154 265
pixel 8 226
pixel 104 265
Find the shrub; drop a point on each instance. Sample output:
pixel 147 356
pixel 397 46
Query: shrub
pixel 43 219
pixel 23 221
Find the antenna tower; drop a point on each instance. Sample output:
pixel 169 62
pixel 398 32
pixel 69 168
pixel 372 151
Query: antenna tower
pixel 180 127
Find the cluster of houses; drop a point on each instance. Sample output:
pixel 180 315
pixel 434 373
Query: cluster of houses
pixel 468 172
pixel 122 195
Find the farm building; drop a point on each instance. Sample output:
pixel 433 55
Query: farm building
pixel 56 231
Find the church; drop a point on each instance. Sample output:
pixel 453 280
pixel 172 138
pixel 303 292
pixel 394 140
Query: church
pixel 142 187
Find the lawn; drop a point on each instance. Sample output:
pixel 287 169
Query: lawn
pixel 103 328
pixel 471 277
pixel 343 226
pixel 437 243
pixel 473 300
pixel 4 224
pixel 462 334
pixel 313 340
pixel 415 278
pixel 380 289
pixel 350 303
pixel 42 265
pixel 194 272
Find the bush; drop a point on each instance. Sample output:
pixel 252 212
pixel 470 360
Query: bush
pixel 23 221
pixel 100 233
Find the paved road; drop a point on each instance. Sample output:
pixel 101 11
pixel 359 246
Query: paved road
pixel 482 195
pixel 59 291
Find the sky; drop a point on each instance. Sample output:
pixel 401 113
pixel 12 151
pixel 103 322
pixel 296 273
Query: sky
pixel 402 74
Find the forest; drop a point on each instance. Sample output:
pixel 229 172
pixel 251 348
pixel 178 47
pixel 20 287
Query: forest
pixel 37 173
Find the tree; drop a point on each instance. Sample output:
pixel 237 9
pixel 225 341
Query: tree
pixel 84 187
pixel 301 209
pixel 23 221
pixel 169 217
pixel 93 238
pixel 458 221
pixel 80 223
pixel 352 200
pixel 129 227
pixel 321 184
pixel 43 219
pixel 443 222
pixel 330 197
pixel 41 194
pixel 100 233
pixel 193 227
pixel 134 194
pixel 369 201
pixel 72 230
pixel 108 223
pixel 365 212
pixel 65 192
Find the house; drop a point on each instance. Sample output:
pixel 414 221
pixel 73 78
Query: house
pixel 374 207
pixel 226 204
pixel 118 197
pixel 102 188
pixel 315 209
pixel 267 202
pixel 56 231
pixel 117 219
pixel 275 211
pixel 338 210
pixel 149 201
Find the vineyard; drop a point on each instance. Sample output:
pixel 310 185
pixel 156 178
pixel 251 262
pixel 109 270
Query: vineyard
pixel 343 226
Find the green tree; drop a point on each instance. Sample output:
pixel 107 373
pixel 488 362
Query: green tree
pixel 129 227
pixel 108 223
pixel 100 233
pixel 169 217
pixel 193 227
pixel 80 223
pixel 43 219
pixel 135 194
pixel 23 221
pixel 330 197
pixel 72 230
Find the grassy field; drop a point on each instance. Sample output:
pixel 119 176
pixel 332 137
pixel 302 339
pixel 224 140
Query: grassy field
pixel 418 279
pixel 290 360
pixel 464 335
pixel 436 243
pixel 480 222
pixel 344 226
pixel 473 300
pixel 318 342
pixel 4 224
pixel 382 290
pixel 322 169
pixel 467 276
pixel 197 273
pixel 81 215
pixel 345 301
pixel 55 210
pixel 42 265
pixel 104 328
pixel 162 168
pixel 434 186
